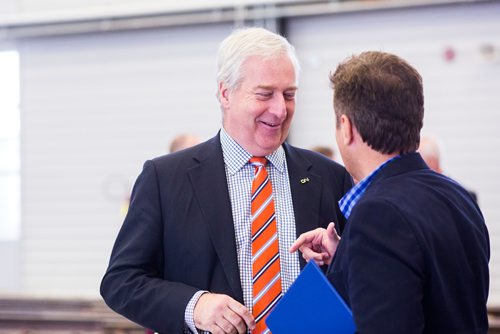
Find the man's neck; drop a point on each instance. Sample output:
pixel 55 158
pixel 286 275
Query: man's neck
pixel 369 161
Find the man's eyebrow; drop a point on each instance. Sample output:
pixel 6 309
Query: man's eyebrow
pixel 264 87
pixel 272 87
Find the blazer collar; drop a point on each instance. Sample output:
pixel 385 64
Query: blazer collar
pixel 405 163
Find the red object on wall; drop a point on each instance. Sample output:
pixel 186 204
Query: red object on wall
pixel 449 54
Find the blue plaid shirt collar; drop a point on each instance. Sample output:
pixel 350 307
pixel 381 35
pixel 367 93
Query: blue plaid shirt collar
pixel 235 156
pixel 352 197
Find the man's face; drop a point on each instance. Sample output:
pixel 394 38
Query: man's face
pixel 258 113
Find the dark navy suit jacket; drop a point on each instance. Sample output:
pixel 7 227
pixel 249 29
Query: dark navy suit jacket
pixel 178 236
pixel 414 255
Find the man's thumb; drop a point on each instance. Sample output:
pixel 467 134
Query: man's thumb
pixel 331 229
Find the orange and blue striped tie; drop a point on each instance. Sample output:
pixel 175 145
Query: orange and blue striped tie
pixel 266 276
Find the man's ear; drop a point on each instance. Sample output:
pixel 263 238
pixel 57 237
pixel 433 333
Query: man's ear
pixel 346 130
pixel 223 95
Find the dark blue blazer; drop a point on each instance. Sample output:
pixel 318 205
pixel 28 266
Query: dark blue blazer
pixel 414 255
pixel 178 236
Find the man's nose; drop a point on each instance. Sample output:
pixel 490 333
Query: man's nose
pixel 278 107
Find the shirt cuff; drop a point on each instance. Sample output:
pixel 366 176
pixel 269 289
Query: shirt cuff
pixel 189 313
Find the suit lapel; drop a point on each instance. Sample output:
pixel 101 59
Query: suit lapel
pixel 208 179
pixel 306 192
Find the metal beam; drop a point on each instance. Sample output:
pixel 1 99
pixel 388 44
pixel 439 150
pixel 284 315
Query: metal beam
pixel 30 26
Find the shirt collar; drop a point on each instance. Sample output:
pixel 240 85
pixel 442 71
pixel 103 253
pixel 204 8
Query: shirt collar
pixel 349 200
pixel 235 156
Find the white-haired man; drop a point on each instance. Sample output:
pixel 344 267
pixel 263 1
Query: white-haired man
pixel 205 243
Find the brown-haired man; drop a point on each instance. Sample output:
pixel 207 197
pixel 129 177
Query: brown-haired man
pixel 414 253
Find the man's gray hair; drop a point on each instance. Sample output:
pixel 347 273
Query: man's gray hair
pixel 244 43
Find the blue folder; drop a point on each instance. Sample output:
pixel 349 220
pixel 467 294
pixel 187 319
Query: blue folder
pixel 311 305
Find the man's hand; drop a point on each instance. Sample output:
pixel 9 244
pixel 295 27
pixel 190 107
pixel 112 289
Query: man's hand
pixel 222 314
pixel 318 245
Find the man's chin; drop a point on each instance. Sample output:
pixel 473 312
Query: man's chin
pixel 269 148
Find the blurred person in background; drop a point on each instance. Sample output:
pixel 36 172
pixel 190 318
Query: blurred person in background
pixel 414 253
pixel 205 243
pixel 325 150
pixel 431 153
pixel 182 142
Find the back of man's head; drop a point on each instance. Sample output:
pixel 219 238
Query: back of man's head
pixel 325 150
pixel 183 141
pixel 383 97
pixel 247 42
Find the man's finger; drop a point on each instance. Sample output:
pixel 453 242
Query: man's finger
pixel 330 229
pixel 225 325
pixel 332 232
pixel 303 239
pixel 216 329
pixel 242 312
pixel 309 254
pixel 236 321
pixel 297 244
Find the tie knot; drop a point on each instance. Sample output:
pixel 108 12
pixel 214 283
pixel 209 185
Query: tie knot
pixel 258 161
